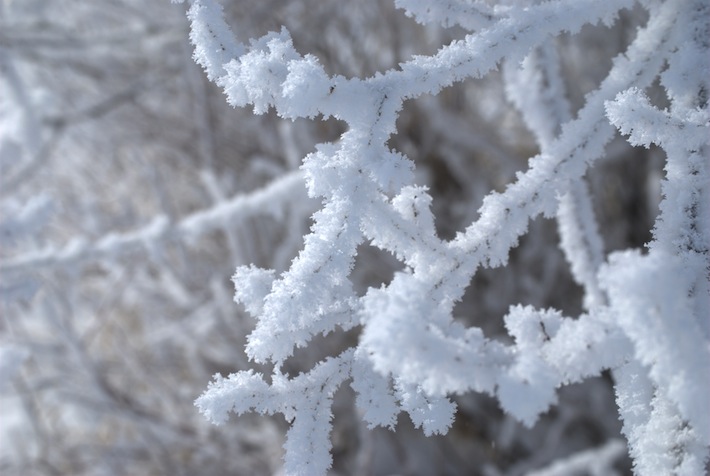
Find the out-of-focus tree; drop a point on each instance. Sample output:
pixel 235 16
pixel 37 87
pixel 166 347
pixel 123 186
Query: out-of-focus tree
pixel 130 191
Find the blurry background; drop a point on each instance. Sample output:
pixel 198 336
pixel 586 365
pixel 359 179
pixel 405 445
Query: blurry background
pixel 120 230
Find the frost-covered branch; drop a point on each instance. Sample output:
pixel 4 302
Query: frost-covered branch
pixel 412 355
pixel 596 462
pixel 271 199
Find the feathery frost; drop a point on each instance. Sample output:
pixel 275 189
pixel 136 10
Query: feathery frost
pixel 646 314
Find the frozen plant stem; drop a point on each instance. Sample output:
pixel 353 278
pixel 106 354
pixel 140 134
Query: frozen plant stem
pixel 411 354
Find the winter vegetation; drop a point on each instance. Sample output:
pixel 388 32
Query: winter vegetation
pixel 470 237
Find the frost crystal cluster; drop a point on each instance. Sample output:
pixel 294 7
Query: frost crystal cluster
pixel 646 312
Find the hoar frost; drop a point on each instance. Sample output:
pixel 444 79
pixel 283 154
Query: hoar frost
pixel 645 314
